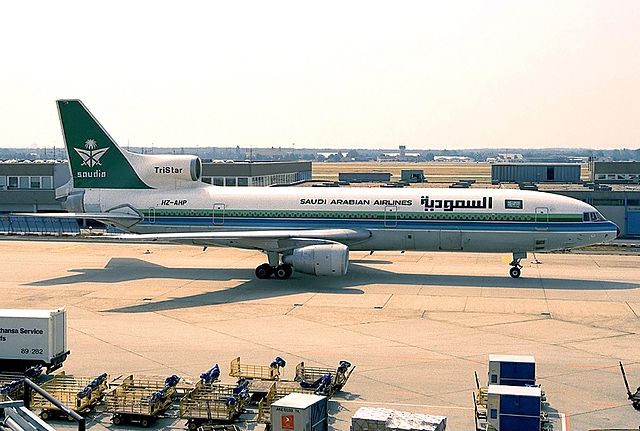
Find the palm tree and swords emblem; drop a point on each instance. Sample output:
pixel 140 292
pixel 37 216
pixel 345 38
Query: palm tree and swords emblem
pixel 92 155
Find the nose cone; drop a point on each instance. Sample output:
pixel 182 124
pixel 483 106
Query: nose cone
pixel 614 227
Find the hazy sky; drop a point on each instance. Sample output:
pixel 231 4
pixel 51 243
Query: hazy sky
pixel 360 74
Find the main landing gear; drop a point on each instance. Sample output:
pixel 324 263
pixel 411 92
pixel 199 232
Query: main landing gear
pixel 515 270
pixel 280 271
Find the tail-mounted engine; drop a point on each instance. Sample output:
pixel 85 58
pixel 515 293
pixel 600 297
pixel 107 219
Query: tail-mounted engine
pixel 166 171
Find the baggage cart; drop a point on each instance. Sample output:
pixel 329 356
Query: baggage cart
pixel 339 376
pixel 140 400
pixel 259 372
pixel 80 394
pixel 212 402
pixel 11 386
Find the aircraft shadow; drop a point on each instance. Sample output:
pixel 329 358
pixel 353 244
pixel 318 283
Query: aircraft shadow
pixel 128 269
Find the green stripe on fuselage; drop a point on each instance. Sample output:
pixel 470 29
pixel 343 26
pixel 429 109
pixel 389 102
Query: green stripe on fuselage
pixel 365 215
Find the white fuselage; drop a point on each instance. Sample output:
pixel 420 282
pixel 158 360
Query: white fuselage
pixel 479 220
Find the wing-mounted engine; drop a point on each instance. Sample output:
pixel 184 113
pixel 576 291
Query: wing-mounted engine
pixel 166 171
pixel 322 259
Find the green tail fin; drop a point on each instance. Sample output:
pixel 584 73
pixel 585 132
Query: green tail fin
pixel 95 159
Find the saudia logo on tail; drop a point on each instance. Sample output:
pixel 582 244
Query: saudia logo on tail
pixel 91 158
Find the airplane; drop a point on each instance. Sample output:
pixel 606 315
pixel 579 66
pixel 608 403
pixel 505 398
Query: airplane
pixel 309 230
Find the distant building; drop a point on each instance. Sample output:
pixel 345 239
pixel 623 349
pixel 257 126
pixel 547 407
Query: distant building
pixel 458 159
pixel 615 172
pixel 535 173
pixel 400 156
pixel 364 177
pixel 510 157
pixel 412 175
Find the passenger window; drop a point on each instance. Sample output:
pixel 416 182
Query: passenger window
pixel 513 204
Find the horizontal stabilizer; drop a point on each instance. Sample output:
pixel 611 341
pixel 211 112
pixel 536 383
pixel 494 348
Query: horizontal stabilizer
pixel 88 216
pixel 119 219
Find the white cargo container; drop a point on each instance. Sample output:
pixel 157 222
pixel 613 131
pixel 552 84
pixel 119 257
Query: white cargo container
pixel 371 419
pixel 299 412
pixel 381 419
pixel 31 337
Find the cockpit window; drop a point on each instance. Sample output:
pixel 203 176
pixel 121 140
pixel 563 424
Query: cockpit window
pixel 592 216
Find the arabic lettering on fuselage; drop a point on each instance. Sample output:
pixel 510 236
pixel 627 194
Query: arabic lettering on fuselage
pixel 453 204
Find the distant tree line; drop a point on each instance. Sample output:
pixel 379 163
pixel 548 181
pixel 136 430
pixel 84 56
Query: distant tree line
pixel 336 155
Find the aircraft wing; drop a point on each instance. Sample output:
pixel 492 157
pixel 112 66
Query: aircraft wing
pixel 268 240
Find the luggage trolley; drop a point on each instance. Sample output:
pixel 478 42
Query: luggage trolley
pixel 212 402
pixel 259 372
pixel 140 400
pixel 80 394
pixel 317 376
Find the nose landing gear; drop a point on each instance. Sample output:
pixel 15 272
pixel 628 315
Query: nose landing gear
pixel 515 270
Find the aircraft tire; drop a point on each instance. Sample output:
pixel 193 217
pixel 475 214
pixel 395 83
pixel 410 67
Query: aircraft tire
pixel 264 271
pixel 282 272
pixel 514 272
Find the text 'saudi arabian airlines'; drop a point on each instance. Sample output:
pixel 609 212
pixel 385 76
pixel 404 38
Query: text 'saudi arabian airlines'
pixel 309 230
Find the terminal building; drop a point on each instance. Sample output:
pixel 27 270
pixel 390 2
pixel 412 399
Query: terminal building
pixel 257 174
pixel 30 186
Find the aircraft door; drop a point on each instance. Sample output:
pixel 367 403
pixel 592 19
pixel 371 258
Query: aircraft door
pixel 152 215
pixel 542 214
pixel 450 240
pixel 410 241
pixel 218 214
pixel 390 216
